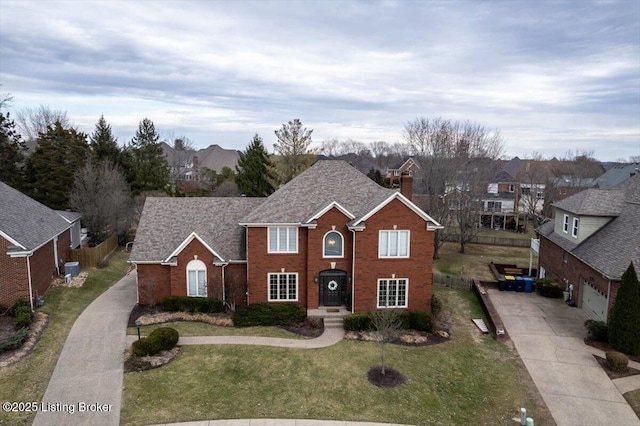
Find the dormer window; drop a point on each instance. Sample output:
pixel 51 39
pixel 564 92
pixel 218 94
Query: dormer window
pixel 333 244
pixel 574 230
pixel 565 224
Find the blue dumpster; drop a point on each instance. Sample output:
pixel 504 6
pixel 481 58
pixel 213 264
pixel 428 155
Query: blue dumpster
pixel 528 284
pixel 509 282
pixel 519 284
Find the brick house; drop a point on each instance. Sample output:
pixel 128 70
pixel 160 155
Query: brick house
pixel 591 241
pixel 329 237
pixel 34 240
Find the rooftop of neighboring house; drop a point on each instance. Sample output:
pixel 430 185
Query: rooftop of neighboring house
pixel 405 163
pixel 213 157
pixel 610 249
pixel 360 162
pixel 617 174
pixel 26 223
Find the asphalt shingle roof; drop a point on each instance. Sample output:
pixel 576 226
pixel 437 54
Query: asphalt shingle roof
pixel 167 222
pixel 593 202
pixel 26 221
pixel 316 188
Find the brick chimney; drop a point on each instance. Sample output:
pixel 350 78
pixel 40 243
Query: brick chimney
pixel 406 185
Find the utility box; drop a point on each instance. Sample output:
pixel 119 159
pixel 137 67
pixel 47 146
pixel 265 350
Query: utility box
pixel 72 268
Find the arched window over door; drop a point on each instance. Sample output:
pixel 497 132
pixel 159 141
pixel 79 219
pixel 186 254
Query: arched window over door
pixel 333 244
pixel 196 279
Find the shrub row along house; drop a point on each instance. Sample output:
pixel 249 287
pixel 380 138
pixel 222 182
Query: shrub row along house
pixel 329 237
pixel 34 240
pixel 591 241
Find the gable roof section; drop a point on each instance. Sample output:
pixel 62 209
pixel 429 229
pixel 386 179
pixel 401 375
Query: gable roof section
pixel 593 202
pixel 324 183
pixel 27 223
pixel 615 245
pixel 69 216
pixel 617 174
pixel 168 224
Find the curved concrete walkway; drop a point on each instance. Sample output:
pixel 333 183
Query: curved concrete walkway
pixel 548 336
pixel 86 385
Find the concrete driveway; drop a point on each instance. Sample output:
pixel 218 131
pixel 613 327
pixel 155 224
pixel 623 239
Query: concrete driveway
pixel 548 336
pixel 86 385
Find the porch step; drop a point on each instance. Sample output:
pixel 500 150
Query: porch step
pixel 333 322
pixel 324 312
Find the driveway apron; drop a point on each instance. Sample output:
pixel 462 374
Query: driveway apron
pixel 548 336
pixel 86 385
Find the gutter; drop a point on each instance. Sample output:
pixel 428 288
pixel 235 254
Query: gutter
pixel 353 270
pixel 30 285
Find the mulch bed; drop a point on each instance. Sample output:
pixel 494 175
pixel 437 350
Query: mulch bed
pixel 310 327
pixel 36 328
pixel 401 337
pixel 613 374
pixel 142 363
pixel 390 379
pixel 6 326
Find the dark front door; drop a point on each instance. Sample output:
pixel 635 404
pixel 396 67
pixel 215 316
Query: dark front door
pixel 333 288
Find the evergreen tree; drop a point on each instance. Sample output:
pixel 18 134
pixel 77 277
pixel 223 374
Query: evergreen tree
pixel 293 149
pixel 377 177
pixel 624 318
pixel 104 146
pixel 12 150
pixel 255 175
pixel 145 165
pixel 50 170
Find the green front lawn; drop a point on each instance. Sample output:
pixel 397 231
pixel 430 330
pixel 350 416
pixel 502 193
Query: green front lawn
pixel 185 328
pixel 27 380
pixel 471 379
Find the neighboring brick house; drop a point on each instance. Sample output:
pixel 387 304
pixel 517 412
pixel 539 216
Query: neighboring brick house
pixel 409 166
pixel 590 243
pixel 329 237
pixel 34 240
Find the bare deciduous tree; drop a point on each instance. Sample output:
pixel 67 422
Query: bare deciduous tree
pixel 330 147
pixel 101 194
pixel 33 121
pixel 386 322
pixel 532 178
pixel 379 148
pixel 180 158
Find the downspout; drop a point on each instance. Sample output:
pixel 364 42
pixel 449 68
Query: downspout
pixel 224 296
pixel 606 316
pixel 30 287
pixel 55 254
pixel 353 271
pixel 246 254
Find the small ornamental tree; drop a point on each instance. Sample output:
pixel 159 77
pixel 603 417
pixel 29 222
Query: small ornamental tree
pixel 386 322
pixel 624 319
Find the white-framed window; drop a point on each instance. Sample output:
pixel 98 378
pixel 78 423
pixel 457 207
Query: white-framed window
pixel 393 244
pixel 565 224
pixel 333 244
pixel 512 187
pixel 283 239
pixel 396 172
pixel 574 229
pixel 283 286
pixel 392 292
pixel 196 278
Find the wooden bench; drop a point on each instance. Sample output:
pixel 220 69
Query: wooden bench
pixel 513 271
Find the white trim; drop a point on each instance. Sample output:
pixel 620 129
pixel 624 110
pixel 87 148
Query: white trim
pixel 341 255
pixel 398 256
pixel 412 161
pixel 565 224
pixel 186 242
pixel 200 266
pixel 417 210
pixel 11 240
pixel 55 255
pixel 406 295
pixel 329 207
pixel 353 270
pixel 278 251
pixel 267 224
pixel 269 274
pixel 574 227
pixel 30 284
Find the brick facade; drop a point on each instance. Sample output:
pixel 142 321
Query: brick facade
pixel 552 259
pixel 14 275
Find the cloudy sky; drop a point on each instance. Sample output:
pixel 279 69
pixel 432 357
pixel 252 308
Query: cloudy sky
pixel 551 76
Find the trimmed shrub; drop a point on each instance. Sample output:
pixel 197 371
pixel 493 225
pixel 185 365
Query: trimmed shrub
pixel 617 361
pixel 160 339
pixel 22 317
pixel 19 304
pixel 265 314
pixel 597 330
pixel 207 305
pixel 167 337
pixel 436 304
pixel 360 321
pixel 548 288
pixel 624 318
pixel 420 321
pixel 14 341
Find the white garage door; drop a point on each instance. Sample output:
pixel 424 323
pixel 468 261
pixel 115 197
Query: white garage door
pixel 594 303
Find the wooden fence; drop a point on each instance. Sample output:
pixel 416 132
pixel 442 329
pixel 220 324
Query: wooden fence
pixel 90 256
pixel 444 280
pixel 493 241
